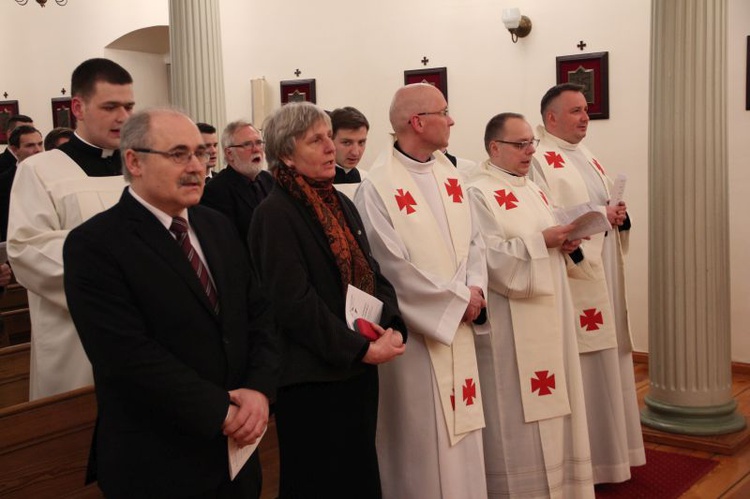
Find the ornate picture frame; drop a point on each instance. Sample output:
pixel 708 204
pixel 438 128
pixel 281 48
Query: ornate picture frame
pixel 591 71
pixel 297 91
pixel 62 114
pixel 437 77
pixel 7 109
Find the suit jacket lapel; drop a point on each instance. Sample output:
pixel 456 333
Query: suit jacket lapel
pixel 145 226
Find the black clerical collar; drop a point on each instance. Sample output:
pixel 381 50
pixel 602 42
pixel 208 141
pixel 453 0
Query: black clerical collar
pixel 398 148
pixel 94 161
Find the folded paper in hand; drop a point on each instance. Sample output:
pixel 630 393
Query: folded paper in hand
pixel 238 456
pixel 587 218
pixel 361 305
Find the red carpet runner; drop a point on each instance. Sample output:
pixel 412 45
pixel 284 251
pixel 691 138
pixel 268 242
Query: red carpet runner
pixel 665 476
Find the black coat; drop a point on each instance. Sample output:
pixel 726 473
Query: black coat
pixel 7 174
pixel 163 361
pixel 236 196
pixel 299 275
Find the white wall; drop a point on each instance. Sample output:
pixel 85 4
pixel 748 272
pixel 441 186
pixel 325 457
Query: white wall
pixel 738 138
pixel 357 52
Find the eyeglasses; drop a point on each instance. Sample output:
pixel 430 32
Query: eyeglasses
pixel 444 112
pixel 249 144
pixel 180 156
pixel 523 145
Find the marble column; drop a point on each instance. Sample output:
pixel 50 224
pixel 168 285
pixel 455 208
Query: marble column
pixel 197 72
pixel 689 327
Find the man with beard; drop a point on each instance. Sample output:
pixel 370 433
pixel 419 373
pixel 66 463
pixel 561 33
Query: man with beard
pixel 238 189
pixel 54 192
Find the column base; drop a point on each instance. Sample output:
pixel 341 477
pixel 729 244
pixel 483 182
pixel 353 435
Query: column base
pixel 700 421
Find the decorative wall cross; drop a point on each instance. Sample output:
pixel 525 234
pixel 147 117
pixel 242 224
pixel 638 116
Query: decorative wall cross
pixel 581 45
pixel 297 72
pixel 425 60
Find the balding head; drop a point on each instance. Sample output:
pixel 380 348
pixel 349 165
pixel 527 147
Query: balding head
pixel 410 101
pixel 419 116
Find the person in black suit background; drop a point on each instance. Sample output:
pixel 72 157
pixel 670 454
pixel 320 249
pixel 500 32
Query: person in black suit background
pixel 181 363
pixel 208 132
pixel 238 189
pixel 308 245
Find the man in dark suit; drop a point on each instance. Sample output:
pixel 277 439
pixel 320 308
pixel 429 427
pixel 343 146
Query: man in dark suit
pixel 24 141
pixel 208 132
pixel 169 314
pixel 8 159
pixel 238 189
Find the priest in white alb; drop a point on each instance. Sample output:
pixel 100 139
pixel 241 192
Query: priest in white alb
pixel 571 175
pixel 53 193
pixel 420 228
pixel 536 441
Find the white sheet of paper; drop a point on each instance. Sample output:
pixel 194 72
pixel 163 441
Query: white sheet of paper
pixel 239 456
pixel 587 218
pixel 618 190
pixel 361 305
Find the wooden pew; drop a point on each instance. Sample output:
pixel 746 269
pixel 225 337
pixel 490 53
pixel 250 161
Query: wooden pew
pixel 16 326
pixel 44 447
pixel 15 296
pixel 14 375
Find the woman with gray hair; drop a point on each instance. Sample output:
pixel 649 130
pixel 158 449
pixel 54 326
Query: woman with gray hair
pixel 309 246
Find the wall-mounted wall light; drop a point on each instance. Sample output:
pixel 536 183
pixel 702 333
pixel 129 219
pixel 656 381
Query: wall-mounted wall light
pixel 518 25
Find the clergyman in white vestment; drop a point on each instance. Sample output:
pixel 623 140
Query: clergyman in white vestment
pixel 420 228
pixel 54 192
pixel 536 441
pixel 571 175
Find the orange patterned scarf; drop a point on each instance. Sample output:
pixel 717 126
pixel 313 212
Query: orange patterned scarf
pixel 324 205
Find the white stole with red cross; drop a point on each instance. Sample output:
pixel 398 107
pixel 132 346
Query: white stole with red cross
pixel 521 209
pixel 455 365
pixel 595 322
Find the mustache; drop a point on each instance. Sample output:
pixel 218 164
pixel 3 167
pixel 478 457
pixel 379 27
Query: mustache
pixel 190 178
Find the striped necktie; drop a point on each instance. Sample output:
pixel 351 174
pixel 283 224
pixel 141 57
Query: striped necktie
pixel 179 228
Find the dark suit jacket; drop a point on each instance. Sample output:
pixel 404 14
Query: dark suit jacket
pixel 7 174
pixel 163 360
pixel 236 196
pixel 300 277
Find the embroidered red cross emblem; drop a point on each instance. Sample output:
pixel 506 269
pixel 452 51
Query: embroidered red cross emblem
pixel 470 391
pixel 405 200
pixel 598 166
pixel 554 159
pixel 543 382
pixel 506 198
pixel 590 319
pixel 454 189
pixel 544 198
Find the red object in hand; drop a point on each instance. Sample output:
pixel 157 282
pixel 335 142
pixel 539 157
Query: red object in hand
pixel 364 327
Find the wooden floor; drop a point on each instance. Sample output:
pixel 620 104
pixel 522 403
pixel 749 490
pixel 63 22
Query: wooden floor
pixel 729 480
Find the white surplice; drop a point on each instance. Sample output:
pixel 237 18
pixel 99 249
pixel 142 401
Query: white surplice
pixel 52 195
pixel 415 454
pixel 571 173
pixel 528 454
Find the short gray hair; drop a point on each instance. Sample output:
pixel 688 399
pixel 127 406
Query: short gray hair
pixel 230 129
pixel 136 132
pixel 282 129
